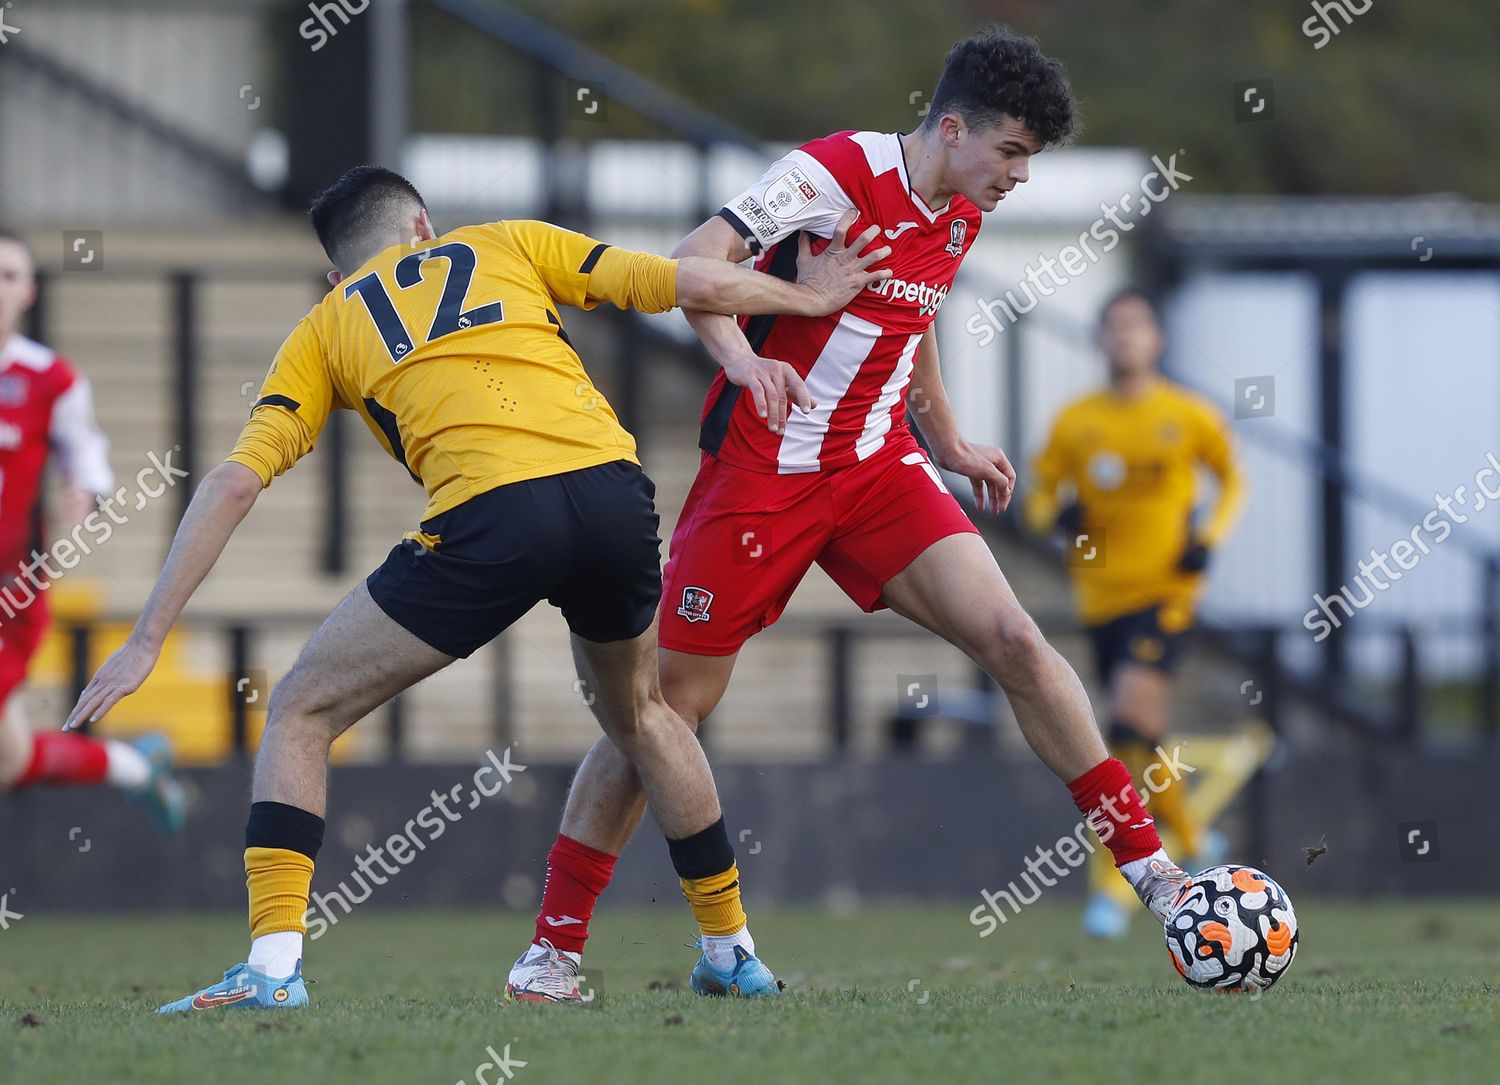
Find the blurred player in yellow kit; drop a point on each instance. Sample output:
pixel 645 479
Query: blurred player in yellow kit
pixel 1118 478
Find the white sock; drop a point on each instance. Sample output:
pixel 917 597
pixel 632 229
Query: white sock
pixel 276 955
pixel 1137 869
pixel 128 767
pixel 719 948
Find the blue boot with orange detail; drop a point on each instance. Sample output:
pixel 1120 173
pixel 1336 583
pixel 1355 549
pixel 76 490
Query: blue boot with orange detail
pixel 747 979
pixel 246 989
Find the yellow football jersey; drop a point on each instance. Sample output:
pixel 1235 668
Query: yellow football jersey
pixel 1131 463
pixel 454 355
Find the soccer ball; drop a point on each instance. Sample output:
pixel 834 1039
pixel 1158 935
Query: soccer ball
pixel 1232 929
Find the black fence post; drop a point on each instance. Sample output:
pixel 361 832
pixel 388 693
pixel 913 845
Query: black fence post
pixel 840 709
pixel 1332 284
pixel 1409 694
pixel 632 382
pixel 502 717
pixel 550 111
pixel 335 449
pixel 395 729
pixel 184 301
pixel 707 205
pixel 240 637
pixel 1258 791
pixel 81 642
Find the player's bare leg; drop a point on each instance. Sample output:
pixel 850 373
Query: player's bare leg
pixel 650 755
pixel 606 802
pixel 955 589
pixel 1140 698
pixel 357 661
pixel 1141 695
pixel 15 743
pixel 654 740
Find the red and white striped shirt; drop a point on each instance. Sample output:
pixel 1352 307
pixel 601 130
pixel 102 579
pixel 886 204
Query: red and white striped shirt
pixel 857 362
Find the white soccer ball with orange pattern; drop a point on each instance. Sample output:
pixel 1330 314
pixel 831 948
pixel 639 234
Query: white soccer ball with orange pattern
pixel 1232 929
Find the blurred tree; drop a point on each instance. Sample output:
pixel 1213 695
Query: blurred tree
pixel 1400 100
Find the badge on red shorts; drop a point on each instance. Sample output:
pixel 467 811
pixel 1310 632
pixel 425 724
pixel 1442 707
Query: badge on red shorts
pixel 695 604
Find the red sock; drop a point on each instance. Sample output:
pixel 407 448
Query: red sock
pixel 576 875
pixel 65 759
pixel 1114 810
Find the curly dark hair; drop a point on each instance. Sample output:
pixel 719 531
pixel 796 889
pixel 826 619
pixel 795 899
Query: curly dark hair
pixel 997 74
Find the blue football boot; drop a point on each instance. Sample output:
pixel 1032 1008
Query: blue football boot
pixel 244 988
pixel 747 979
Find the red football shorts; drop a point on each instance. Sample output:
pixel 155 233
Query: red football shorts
pixel 19 638
pixel 746 538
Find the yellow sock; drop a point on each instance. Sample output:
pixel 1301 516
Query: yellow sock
pixel 279 882
pixel 715 901
pixel 1170 805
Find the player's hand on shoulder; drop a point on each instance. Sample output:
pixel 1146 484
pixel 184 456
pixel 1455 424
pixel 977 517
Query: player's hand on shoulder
pixel 835 276
pixel 121 675
pixel 987 468
pixel 772 385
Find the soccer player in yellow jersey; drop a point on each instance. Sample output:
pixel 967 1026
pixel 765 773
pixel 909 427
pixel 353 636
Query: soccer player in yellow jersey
pixel 452 351
pixel 1118 478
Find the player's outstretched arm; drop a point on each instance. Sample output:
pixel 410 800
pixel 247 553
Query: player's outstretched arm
pixel 825 283
pixel 223 498
pixel 772 384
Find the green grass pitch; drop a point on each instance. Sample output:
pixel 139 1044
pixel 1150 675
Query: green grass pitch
pixel 1388 992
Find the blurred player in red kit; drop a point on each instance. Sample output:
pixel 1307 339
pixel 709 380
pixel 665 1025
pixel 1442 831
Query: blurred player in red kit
pixel 46 412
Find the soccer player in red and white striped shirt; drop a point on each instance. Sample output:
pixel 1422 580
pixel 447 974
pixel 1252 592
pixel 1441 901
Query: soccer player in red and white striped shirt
pixel 841 480
pixel 46 411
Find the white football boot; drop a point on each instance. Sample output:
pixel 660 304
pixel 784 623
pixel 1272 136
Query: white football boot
pixel 1160 887
pixel 545 973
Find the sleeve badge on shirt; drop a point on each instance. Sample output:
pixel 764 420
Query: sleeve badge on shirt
pixel 790 193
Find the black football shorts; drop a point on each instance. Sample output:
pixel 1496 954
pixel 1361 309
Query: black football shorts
pixel 585 541
pixel 1142 638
